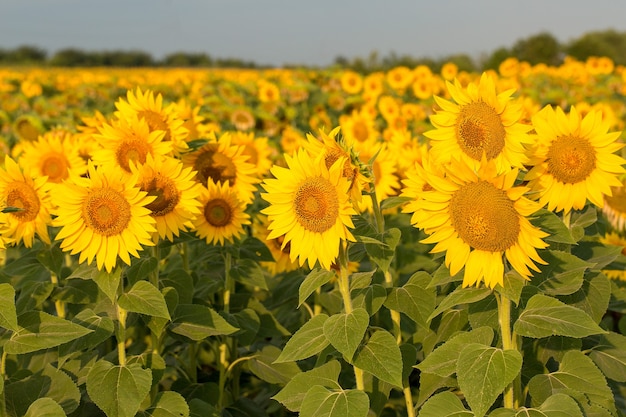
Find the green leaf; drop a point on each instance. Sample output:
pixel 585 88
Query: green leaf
pixel 118 390
pixel 562 275
pixel 460 296
pixel 576 374
pixel 444 404
pixel 248 322
pixel 144 298
pixel 263 365
pixel 413 299
pixel 8 314
pixel 597 253
pixel 555 347
pixel 345 331
pixel 182 282
pixel 314 280
pixel 370 298
pixel 443 360
pixel 321 402
pixel 292 395
pixel 108 282
pixel 39 330
pixel 546 316
pixel 141 268
pixel 44 407
pixel 382 358
pixel 307 341
pixel 593 297
pixel 483 372
pixel 393 202
pixel 62 390
pixel 255 250
pixel 168 404
pixel 52 258
pixel 382 255
pixel 560 405
pixel 77 291
pixel 199 408
pixel 152 361
pixel 609 354
pixel 552 224
pixel 198 322
pixel 250 273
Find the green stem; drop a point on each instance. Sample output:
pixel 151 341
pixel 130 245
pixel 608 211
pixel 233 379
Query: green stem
pixel 344 289
pixel 3 405
pixel 58 304
pixel 223 367
pixel 192 368
pixel 408 399
pixel 511 393
pixel 225 352
pixel 154 280
pixel 120 333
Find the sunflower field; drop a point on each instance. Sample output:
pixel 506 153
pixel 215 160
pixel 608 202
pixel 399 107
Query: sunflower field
pixel 314 243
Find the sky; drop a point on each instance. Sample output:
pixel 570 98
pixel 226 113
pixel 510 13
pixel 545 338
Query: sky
pixel 311 32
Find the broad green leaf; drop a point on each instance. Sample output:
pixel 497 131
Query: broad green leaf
pixel 444 404
pixel 198 322
pixel 562 275
pixel 45 407
pixel 263 364
pixel 430 384
pixel 345 331
pixel 560 405
pixel 52 258
pixel 361 280
pixel 144 298
pixel 546 316
pixel 597 253
pixel 409 358
pixel 442 361
pixel 33 295
pixel 248 322
pixel 555 347
pixel 118 390
pixel 460 296
pixel 552 224
pixel 483 372
pixel 321 402
pixel 182 282
pixel 413 299
pixel 141 268
pixel 249 272
pixel 576 374
pixel 292 395
pixel 167 404
pixel 62 390
pixel 199 408
pixel 609 354
pixel 77 291
pixel 513 285
pixel 484 313
pixel 307 341
pixel 382 255
pixel 8 314
pixel 150 360
pixel 314 280
pixel 39 330
pixel 393 202
pixel 382 358
pixel 371 298
pixel 108 282
pixel 593 297
pixel 255 250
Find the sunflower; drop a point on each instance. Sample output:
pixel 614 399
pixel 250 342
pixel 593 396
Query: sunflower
pixel 53 157
pixel 329 148
pixel 257 149
pixel 176 203
pixel 481 122
pixel 573 160
pixel 223 162
pixel 29 197
pixel 383 168
pixel 104 216
pixel 280 253
pixel 27 127
pixel 615 207
pixel 242 119
pixel 359 126
pixel 351 82
pixel 4 232
pixel 476 217
pixel 291 139
pixel 129 139
pixel 268 92
pixel 309 205
pixel 144 105
pixel 222 214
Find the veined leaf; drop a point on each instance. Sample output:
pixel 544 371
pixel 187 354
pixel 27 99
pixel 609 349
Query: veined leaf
pixel 382 358
pixel 8 314
pixel 444 404
pixel 198 322
pixel 314 280
pixel 144 298
pixel 345 331
pixel 307 341
pixel 292 395
pixel 167 404
pixel 321 402
pixel 460 296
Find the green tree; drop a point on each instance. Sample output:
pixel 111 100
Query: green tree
pixel 540 48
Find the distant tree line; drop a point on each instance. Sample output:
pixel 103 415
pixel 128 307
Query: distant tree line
pixel 539 48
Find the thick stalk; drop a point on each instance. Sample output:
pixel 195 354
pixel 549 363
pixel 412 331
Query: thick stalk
pixel 509 342
pixel 344 289
pixel 154 280
pixel 3 372
pixel 225 352
pixel 120 331
pixel 59 305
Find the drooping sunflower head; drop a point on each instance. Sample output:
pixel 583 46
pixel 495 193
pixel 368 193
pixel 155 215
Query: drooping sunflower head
pixel 573 159
pixel 222 216
pixel 280 252
pixel 479 122
pixel 309 205
pixel 176 194
pixel 27 198
pixel 103 216
pixel 222 162
pixel 383 173
pixel 477 217
pixel 615 207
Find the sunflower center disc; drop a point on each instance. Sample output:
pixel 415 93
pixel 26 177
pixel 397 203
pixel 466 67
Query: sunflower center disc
pixel 132 150
pixel 23 197
pixel 155 122
pixel 217 166
pixel 167 196
pixel 480 129
pixel 360 131
pixel 316 204
pixel 571 159
pixel 106 211
pixel 484 217
pixel 218 213
pixel 55 168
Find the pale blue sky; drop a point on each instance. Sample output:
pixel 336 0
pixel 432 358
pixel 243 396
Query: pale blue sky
pixel 313 32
